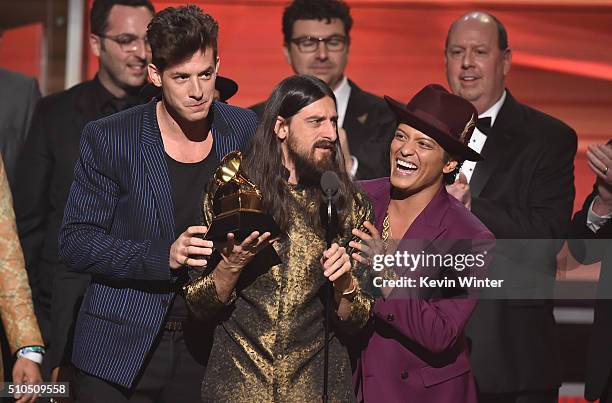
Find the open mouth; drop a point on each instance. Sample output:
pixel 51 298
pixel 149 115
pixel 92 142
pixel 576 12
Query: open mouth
pixel 405 167
pixel 137 67
pixel 468 79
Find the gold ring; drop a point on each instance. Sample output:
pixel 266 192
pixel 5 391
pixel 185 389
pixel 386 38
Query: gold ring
pixel 605 170
pixel 185 261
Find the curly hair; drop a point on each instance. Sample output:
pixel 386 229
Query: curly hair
pixel 175 33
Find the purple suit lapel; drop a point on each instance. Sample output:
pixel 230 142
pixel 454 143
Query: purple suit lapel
pixel 430 224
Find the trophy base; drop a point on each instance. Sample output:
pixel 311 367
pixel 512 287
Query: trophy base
pixel 241 224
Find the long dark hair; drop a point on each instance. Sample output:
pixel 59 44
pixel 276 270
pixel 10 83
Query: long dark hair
pixel 264 161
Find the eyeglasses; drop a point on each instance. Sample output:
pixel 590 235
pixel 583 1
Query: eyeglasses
pixel 128 42
pixel 310 44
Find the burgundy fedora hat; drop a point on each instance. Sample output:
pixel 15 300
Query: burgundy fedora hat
pixel 447 118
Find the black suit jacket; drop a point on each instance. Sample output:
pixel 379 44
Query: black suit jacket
pixel 44 175
pixel 18 97
pixel 370 126
pixel 523 189
pixel 588 247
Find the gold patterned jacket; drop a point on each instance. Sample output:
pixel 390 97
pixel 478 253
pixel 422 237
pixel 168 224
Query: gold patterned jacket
pixel 16 306
pixel 269 344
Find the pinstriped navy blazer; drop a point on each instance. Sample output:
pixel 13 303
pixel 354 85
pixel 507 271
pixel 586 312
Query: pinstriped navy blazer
pixel 119 226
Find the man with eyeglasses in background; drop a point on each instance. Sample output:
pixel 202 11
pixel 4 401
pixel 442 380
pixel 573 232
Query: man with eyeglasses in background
pixel 317 42
pixel 45 169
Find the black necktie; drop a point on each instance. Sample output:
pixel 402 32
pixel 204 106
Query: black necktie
pixel 484 125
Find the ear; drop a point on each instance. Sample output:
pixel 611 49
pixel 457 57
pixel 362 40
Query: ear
pixel 450 166
pixel 446 64
pixel 155 75
pixel 217 65
pixel 95 43
pixel 507 61
pixel 287 53
pixel 281 128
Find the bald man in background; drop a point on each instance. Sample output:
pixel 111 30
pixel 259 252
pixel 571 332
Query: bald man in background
pixel 524 189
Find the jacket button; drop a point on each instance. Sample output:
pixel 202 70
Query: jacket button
pixel 404 375
pixel 390 317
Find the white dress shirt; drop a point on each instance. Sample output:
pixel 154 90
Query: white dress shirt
pixel 342 94
pixel 478 139
pixel 594 220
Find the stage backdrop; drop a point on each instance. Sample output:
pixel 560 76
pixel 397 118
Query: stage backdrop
pixel 562 62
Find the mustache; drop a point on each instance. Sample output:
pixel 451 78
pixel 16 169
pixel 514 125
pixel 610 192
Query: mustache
pixel 324 144
pixel 326 63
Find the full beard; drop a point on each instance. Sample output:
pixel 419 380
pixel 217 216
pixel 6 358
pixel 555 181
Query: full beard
pixel 309 170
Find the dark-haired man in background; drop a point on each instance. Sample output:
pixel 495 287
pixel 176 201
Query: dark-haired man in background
pixel 524 189
pixel 316 35
pixel 130 216
pixel 46 166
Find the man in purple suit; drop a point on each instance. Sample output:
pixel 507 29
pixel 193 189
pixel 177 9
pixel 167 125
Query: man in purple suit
pixel 415 349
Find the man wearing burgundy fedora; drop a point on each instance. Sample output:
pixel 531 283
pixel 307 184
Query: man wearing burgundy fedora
pixel 415 347
pixel 524 189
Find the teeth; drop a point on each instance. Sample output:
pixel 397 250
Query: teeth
pixel 406 165
pixel 468 78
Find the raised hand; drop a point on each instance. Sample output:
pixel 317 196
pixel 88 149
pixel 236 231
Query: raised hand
pixel 460 190
pixel 237 255
pixel 371 244
pixel 599 158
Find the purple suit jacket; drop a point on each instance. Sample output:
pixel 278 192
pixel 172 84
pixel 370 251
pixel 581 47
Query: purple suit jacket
pixel 416 350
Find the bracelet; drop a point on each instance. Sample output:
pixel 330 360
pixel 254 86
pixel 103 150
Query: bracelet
pixel 32 353
pixel 30 349
pixel 352 291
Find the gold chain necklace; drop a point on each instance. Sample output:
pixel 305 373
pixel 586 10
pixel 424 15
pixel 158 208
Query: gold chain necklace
pixel 386 232
pixel 388 272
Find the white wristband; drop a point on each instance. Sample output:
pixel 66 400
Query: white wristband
pixel 32 356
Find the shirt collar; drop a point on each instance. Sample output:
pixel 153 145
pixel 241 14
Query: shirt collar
pixel 342 94
pixel 494 110
pixel 107 104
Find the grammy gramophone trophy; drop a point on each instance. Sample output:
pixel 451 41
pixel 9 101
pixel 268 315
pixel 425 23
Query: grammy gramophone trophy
pixel 235 203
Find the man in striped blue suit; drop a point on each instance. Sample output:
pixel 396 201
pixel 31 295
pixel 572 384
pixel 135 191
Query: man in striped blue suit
pixel 130 217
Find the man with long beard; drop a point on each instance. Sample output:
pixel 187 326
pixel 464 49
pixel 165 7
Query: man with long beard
pixel 269 345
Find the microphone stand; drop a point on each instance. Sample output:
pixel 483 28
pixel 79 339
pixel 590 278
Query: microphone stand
pixel 330 184
pixel 328 290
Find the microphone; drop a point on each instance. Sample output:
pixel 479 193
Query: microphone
pixel 330 183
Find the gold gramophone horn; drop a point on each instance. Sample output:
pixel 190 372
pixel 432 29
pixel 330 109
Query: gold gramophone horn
pixel 229 172
pixel 235 202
